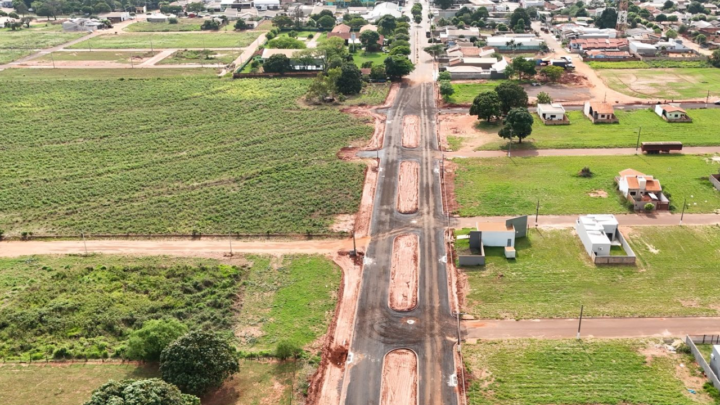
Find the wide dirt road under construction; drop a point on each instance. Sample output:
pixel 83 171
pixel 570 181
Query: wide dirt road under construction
pixel 428 329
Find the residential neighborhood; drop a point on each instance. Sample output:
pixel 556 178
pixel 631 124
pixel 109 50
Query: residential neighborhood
pixel 245 202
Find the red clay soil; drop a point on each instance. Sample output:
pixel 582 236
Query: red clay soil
pixel 364 215
pixel 450 203
pixel 456 296
pixel 325 385
pixel 399 378
pixel 407 194
pixel 404 273
pixel 411 131
pixel 376 141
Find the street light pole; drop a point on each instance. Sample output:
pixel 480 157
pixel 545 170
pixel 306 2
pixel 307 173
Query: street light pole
pixel 580 323
pixel 637 145
pixel 683 210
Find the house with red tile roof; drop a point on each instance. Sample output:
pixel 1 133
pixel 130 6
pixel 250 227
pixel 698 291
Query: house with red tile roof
pixel 641 189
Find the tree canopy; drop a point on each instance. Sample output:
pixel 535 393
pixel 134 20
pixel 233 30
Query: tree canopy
pixel 519 14
pixel 277 64
pixel 608 19
pixel 486 105
pixel 149 341
pixel 398 66
pixel 511 95
pixel 140 392
pixel 350 80
pixel 518 123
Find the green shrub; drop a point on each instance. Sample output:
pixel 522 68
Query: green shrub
pixel 149 341
pixel 649 207
pixel 286 350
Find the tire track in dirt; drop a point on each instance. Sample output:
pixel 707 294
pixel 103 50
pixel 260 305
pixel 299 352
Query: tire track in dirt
pixel 399 378
pixel 411 131
pixel 403 292
pixel 407 193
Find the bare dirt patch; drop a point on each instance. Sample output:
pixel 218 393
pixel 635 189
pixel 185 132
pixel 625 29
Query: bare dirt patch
pixel 343 223
pixel 598 194
pixel 376 141
pixel 404 273
pixel 462 126
pixel 450 200
pixel 407 194
pixel 411 131
pixel 399 378
pixel 364 215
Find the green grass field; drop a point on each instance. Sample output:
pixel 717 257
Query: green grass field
pixel 502 186
pixel 38 76
pixel 465 93
pixel 200 57
pixel 292 300
pixel 377 58
pixel 175 155
pixel 660 64
pixel 18 44
pixel 571 372
pixel 228 39
pixel 372 94
pixel 183 24
pixel 690 83
pixel 553 275
pixel 582 133
pixel 108 56
pixel 7 55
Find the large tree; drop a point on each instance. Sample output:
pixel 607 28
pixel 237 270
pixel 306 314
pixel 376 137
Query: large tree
pixel 519 14
pixel 155 335
pixel 285 43
pixel 140 392
pixel 198 362
pixel 608 19
pixel 387 24
pixel 486 105
pixel 282 21
pixel 553 73
pixel 369 39
pixel 696 7
pixel 277 64
pixel 511 95
pixel 326 22
pixel 398 66
pixel 444 4
pixel 518 123
pixel 350 80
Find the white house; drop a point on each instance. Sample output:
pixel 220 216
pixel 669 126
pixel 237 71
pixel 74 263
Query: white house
pixel 532 3
pixel 264 5
pixel 597 233
pixel 672 113
pixel 641 48
pixel 507 43
pixel 499 234
pixel 81 25
pixel 552 114
pixel 641 189
pixel 157 18
pixel 382 9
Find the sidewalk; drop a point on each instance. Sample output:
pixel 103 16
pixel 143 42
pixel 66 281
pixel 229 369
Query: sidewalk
pixel 591 327
pixel 568 221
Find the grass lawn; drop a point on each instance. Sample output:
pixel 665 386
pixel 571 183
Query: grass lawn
pixel 377 58
pixel 175 155
pixel 184 24
pixel 62 385
pixel 200 57
pixel 581 133
pixel 109 56
pixel 705 350
pixel 372 94
pixel 571 372
pixel 38 76
pixel 553 275
pixel 228 39
pixel 502 186
pixel 664 83
pixel 465 93
pixel 290 299
pixel 7 55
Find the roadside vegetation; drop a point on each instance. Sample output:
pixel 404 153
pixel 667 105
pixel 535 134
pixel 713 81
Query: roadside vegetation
pixel 573 372
pixel 582 133
pixel 38 76
pixel 652 64
pixel 502 186
pixel 687 83
pixel 553 276
pixel 175 156
pixel 465 93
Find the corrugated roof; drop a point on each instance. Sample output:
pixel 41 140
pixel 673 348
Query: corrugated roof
pixel 602 108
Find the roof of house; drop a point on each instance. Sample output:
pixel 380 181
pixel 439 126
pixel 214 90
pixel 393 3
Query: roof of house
pixel 368 27
pixel 631 172
pixel 600 42
pixel 672 108
pixel 341 28
pixel 602 108
pixel 287 52
pixel 598 52
pixel 494 227
pixel 551 108
pixel 115 14
pixel 480 61
pixel 651 184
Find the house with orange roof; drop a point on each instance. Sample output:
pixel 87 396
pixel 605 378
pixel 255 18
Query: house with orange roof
pixel 600 113
pixel 641 189
pixel 672 113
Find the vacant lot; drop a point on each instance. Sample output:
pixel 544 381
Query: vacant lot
pixel 200 57
pixel 51 75
pixel 290 299
pixel 104 56
pixel 553 275
pixel 377 58
pixel 465 93
pixel 170 40
pixel 581 133
pixel 502 186
pixel 175 155
pixel 659 64
pixel 183 24
pixel 691 83
pixel 540 372
pixel 17 44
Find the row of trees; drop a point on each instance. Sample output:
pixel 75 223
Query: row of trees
pixel 508 100
pixel 54 8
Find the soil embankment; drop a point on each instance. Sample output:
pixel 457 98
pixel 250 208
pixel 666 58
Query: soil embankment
pixel 399 378
pixel 411 131
pixel 403 292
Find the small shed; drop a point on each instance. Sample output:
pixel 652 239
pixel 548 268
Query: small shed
pixel 672 113
pixel 600 113
pixel 116 16
pixel 552 114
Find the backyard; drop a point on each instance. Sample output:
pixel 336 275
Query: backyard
pixel 175 155
pixel 582 133
pixel 158 40
pixel 553 276
pixel 502 186
pixel 572 372
pixel 690 83
pixel 377 58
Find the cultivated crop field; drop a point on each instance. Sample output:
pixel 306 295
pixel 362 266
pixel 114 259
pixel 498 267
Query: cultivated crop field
pixel 553 275
pixel 690 83
pixel 502 186
pixel 228 39
pixel 49 76
pixel 582 133
pixel 571 372
pixel 17 44
pixel 172 156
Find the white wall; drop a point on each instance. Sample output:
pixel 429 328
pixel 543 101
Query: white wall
pixel 498 238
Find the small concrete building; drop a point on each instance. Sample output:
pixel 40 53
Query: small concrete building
pixel 519 44
pixel 494 234
pixel 115 16
pixel 552 114
pixel 641 189
pixel 600 113
pixel 157 18
pixel 599 234
pixel 672 113
pixel 714 360
pixel 82 25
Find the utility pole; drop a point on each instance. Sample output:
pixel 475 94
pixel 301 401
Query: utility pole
pixel 354 247
pixel 132 66
pixel 637 145
pixel 84 242
pixel 683 210
pixel 53 59
pixel 510 147
pixel 537 211
pixel 580 323
pixel 707 98
pixel 230 240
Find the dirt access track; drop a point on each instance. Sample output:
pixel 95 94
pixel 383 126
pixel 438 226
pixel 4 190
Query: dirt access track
pixel 411 131
pixel 403 292
pixel 407 193
pixel 399 378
